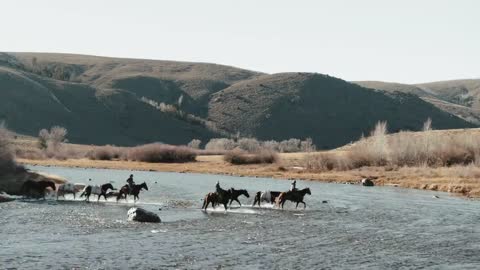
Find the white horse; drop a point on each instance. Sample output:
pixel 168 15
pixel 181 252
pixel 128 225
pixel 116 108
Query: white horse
pixel 96 190
pixel 68 188
pixel 265 196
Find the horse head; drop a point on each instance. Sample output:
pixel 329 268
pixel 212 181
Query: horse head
pixel 50 184
pixel 307 191
pixel 144 185
pixel 108 186
pixel 245 192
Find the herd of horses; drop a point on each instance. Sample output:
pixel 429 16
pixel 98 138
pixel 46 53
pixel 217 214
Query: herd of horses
pixel 226 197
pixel 37 190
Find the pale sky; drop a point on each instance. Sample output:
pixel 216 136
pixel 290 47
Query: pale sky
pixel 404 41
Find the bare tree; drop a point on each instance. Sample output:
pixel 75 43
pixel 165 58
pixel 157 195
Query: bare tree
pixel 195 144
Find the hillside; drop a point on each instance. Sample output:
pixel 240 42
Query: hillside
pixel 458 97
pixel 103 100
pixel 331 111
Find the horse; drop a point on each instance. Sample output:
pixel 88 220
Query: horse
pixel 235 193
pixel 265 196
pixel 221 196
pixel 38 188
pixel 67 188
pixel 210 198
pixel 125 190
pixel 97 190
pixel 294 196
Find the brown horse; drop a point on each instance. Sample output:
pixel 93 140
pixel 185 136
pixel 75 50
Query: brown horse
pixel 294 196
pixel 220 197
pixel 36 189
pixel 125 190
pixel 210 198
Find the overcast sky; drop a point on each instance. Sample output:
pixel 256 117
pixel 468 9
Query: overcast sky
pixel 403 41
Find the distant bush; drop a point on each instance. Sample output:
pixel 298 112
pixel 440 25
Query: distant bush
pixel 253 145
pixel 157 152
pixel 220 144
pixel 106 152
pixel 239 157
pixel 248 144
pixel 51 142
pixel 289 146
pixel 195 144
pixel 7 159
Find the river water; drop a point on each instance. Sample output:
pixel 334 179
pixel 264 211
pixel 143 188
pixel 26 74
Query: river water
pixel 359 228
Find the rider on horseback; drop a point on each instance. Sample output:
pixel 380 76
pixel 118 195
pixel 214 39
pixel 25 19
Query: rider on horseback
pixel 293 186
pixel 130 183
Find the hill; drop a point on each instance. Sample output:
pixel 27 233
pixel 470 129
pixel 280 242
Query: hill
pixel 103 100
pixel 458 97
pixel 331 111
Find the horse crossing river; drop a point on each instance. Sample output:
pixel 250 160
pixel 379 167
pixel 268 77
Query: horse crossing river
pixel 359 227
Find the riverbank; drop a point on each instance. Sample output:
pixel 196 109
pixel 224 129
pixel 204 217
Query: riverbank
pixel 462 180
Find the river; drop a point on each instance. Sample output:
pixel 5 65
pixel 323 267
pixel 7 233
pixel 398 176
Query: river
pixel 358 228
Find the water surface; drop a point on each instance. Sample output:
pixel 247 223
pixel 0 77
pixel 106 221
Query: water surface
pixel 359 228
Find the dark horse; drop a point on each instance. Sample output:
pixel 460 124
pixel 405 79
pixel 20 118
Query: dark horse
pixel 235 193
pixel 222 196
pixel 125 190
pixel 294 196
pixel 97 190
pixel 267 196
pixel 36 189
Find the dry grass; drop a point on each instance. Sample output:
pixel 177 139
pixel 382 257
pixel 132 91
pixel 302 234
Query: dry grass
pixel 107 152
pixel 156 152
pixel 412 149
pixel 242 158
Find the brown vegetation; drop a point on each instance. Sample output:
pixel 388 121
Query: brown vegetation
pixel 240 158
pixel 157 152
pixel 412 149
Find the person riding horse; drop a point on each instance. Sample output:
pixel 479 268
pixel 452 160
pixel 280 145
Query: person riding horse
pixel 130 183
pixel 293 186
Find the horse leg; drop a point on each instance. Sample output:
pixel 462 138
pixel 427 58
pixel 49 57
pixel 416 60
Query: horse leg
pixel 231 200
pixel 304 204
pixel 74 195
pixel 238 201
pixel 283 202
pixel 225 205
pixel 297 205
pixel 98 198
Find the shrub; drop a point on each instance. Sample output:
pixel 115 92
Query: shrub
pixel 195 144
pixel 248 144
pixel 157 152
pixel 220 144
pixel 320 162
pixel 7 159
pixel 106 152
pixel 289 146
pixel 239 157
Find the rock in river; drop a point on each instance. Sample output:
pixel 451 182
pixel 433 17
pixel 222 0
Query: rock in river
pixel 142 215
pixel 367 182
pixel 5 198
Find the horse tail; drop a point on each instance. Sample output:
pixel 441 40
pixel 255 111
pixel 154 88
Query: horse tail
pixel 280 199
pixel 257 198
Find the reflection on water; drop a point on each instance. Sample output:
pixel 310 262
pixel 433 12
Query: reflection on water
pixel 361 228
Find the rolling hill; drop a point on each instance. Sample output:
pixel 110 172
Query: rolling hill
pixel 104 100
pixel 458 97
